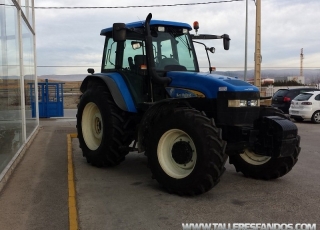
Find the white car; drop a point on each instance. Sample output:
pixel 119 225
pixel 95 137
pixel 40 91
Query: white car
pixel 306 106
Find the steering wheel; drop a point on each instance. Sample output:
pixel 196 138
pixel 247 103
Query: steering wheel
pixel 156 58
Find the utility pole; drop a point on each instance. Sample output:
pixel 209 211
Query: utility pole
pixel 257 59
pixel 301 63
pixel 246 44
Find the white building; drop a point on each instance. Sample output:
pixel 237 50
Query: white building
pixel 299 79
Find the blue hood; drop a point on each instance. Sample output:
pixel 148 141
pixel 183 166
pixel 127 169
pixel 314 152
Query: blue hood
pixel 209 84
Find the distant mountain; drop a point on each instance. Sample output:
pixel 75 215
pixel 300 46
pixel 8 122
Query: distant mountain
pixel 311 75
pixel 72 77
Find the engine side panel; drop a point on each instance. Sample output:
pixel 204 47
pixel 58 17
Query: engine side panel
pixel 208 84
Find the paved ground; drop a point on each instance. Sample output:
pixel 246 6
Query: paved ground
pixel 125 197
pixel 36 196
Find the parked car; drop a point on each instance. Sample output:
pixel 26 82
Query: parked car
pixel 283 97
pixel 306 106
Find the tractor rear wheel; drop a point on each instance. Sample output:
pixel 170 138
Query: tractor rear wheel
pixel 185 151
pixel 100 125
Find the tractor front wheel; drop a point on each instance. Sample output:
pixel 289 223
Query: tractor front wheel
pixel 263 167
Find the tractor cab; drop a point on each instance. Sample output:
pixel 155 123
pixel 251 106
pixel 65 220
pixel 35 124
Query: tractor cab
pixel 144 60
pixel 172 47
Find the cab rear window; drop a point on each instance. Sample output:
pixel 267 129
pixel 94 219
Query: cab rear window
pixel 280 93
pixel 303 97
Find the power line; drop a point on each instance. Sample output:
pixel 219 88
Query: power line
pixel 140 6
pixel 73 66
pixel 230 67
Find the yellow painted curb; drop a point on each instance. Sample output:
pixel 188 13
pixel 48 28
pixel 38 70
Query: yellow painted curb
pixel 73 212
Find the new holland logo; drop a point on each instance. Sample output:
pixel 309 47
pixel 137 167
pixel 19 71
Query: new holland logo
pixel 183 93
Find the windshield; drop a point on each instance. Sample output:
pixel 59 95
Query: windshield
pixel 172 50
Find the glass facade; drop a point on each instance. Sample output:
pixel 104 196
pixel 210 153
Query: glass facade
pixel 17 72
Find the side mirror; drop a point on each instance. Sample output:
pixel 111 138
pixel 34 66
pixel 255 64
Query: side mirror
pixel 136 45
pixel 226 41
pixel 212 49
pixel 119 32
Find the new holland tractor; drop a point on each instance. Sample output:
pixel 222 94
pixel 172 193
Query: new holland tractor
pixel 151 97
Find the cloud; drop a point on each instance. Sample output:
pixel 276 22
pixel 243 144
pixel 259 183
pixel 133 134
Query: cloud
pixel 72 37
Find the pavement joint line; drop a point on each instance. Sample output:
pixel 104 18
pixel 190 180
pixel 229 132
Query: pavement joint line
pixel 72 201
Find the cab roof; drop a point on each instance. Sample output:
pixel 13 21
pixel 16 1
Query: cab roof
pixel 140 24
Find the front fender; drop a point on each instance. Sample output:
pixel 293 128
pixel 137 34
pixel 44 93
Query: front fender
pixel 154 113
pixel 117 87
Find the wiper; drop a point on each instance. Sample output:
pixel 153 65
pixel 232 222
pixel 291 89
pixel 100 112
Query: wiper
pixel 188 46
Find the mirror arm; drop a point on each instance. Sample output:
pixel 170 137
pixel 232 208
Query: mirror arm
pixel 206 48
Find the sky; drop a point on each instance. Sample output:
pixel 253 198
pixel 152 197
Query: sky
pixel 71 37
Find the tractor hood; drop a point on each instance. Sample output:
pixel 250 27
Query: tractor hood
pixel 192 84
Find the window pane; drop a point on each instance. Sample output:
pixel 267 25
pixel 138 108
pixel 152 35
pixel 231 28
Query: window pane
pixel 10 93
pixel 29 78
pixel 110 55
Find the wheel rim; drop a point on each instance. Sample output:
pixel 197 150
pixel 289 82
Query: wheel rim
pixel 176 153
pixel 316 117
pixel 92 126
pixel 254 159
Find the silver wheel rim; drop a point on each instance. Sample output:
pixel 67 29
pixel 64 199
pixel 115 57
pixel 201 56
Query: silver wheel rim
pixel 92 126
pixel 317 117
pixel 165 158
pixel 254 159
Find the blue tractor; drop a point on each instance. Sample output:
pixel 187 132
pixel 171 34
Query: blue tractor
pixel 150 97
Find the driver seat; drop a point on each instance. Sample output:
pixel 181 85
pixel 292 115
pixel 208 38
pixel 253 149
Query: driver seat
pixel 140 60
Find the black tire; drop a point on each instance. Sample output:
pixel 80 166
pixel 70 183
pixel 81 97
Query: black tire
pixel 100 126
pixel 316 117
pixel 298 119
pixel 185 151
pixel 263 167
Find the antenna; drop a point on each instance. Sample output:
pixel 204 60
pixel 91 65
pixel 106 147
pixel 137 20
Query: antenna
pixel 140 20
pixel 301 63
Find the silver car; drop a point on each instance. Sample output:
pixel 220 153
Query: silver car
pixel 306 106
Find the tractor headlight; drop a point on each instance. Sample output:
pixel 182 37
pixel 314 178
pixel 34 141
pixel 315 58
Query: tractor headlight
pixel 254 103
pixel 243 103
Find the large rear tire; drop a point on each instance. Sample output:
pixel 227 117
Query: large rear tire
pixel 101 128
pixel 185 151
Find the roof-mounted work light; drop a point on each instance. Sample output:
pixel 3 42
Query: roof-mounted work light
pixel 196 26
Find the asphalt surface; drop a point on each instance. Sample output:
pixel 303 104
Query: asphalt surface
pixel 125 197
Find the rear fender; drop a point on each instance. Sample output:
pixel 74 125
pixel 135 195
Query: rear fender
pixel 118 89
